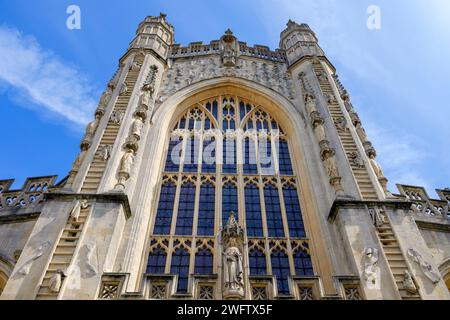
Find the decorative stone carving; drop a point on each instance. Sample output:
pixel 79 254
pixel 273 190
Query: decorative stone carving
pixel 104 101
pixel 379 173
pixel 104 152
pixel 229 49
pixel 306 293
pixel 233 276
pixel 259 293
pixel 123 89
pixel 126 164
pixel 371 271
pixel 90 132
pixel 331 99
pixel 378 216
pixel 90 268
pixel 132 143
pixel 409 284
pixel 356 159
pixel 210 67
pixel 341 124
pixel 116 117
pixel 135 66
pixel 25 269
pixel 158 291
pixel 76 210
pixel 78 161
pixel 206 293
pixel 426 268
pixel 56 280
pixel 136 128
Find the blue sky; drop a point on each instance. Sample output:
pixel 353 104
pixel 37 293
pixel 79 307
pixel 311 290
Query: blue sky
pixel 399 77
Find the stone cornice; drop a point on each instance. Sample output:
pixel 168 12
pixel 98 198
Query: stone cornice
pixel 352 204
pixel 113 197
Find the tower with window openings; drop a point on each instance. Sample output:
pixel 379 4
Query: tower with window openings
pixel 188 143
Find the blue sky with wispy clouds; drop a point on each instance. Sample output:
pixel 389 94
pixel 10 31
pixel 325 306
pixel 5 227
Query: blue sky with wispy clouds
pixel 399 77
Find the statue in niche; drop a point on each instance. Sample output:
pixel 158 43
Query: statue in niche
pixel 310 103
pixel 76 210
pixel 319 130
pixel 233 274
pixel 426 268
pixel 25 269
pixel 409 284
pixel 331 167
pixel 56 280
pixel 126 164
pixel 371 271
pixel 136 127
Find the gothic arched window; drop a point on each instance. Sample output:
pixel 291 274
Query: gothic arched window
pixel 204 262
pixel 180 266
pixel 253 211
pixel 281 270
pixel 157 261
pixel 257 262
pixel 229 154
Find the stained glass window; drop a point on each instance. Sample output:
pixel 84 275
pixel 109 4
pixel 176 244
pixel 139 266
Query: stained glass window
pixel 273 211
pixel 180 266
pixel 206 210
pixel 165 209
pixel 303 264
pixel 280 269
pixel 186 206
pixel 293 212
pixel 257 263
pixel 157 261
pixel 253 211
pixel 204 262
pixel 229 201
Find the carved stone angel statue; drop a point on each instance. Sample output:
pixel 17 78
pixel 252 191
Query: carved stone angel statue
pixel 76 210
pixel 371 272
pixel 409 284
pixel 56 280
pixel 427 269
pixel 376 167
pixel 136 128
pixel 25 269
pixel 126 164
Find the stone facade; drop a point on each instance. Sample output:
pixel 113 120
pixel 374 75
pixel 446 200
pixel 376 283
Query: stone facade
pixel 101 232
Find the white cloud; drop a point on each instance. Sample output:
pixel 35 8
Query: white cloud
pixel 43 79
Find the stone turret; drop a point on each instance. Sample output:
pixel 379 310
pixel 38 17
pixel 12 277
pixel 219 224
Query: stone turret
pixel 298 41
pixel 155 33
